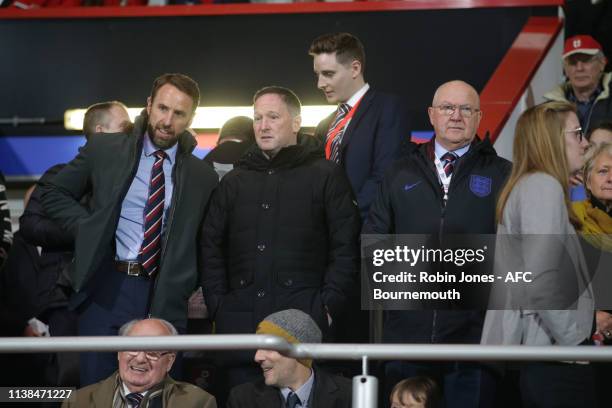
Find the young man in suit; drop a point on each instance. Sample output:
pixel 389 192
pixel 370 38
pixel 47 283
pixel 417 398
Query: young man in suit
pixel 366 132
pixel 286 381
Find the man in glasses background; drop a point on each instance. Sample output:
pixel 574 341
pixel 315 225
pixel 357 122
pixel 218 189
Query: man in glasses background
pixel 445 187
pixel 142 380
pixel 587 85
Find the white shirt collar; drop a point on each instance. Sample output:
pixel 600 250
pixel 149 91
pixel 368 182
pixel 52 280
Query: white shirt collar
pixel 357 95
pixel 441 151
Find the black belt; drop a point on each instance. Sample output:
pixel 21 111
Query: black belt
pixel 131 268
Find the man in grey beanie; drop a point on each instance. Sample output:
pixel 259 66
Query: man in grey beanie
pixel 289 382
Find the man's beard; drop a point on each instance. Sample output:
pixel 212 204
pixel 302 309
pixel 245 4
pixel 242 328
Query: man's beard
pixel 159 142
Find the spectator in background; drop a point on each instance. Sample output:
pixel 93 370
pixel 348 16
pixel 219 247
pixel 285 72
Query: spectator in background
pixel 416 392
pixel 595 216
pixel 23 296
pixel 587 85
pixel 235 138
pixel 536 218
pixel 598 134
pixel 601 133
pixel 106 117
pixel 290 382
pixel 19 282
pixel 6 230
pixel 142 380
pixel 57 245
pixel 135 243
pixel 445 187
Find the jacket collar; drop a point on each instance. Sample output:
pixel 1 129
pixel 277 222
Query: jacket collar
pixel 266 396
pixel 558 93
pixel 363 107
pixel 483 146
pixel 307 148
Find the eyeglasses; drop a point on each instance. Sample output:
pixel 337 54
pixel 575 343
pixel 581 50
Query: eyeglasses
pixel 573 59
pixel 578 133
pixel 447 110
pixel 150 355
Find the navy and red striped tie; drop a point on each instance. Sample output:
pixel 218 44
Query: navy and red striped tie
pixel 343 110
pixel 448 160
pixel 150 252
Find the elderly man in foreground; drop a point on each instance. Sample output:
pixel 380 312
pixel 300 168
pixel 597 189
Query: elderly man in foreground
pixel 142 380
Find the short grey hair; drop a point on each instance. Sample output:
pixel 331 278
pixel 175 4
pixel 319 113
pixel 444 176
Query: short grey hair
pixel 127 327
pixel 591 155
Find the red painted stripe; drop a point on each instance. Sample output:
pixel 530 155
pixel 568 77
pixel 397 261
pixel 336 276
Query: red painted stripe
pixel 263 8
pixel 516 70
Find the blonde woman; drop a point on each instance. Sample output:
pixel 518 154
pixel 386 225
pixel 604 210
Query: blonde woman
pixel 595 215
pixel 534 212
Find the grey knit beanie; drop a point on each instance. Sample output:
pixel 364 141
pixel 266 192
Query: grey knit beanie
pixel 293 325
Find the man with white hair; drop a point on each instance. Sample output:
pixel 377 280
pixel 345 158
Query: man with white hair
pixel 587 85
pixel 142 380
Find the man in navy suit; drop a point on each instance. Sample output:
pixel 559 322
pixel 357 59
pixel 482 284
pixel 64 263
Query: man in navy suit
pixel 365 133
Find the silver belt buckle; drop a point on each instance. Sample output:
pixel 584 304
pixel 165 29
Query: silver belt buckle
pixel 134 272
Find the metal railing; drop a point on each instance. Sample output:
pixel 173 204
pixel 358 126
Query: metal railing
pixel 365 387
pixel 463 352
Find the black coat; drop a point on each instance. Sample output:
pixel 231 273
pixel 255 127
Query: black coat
pixel 6 234
pixel 329 391
pixel 411 201
pixel 279 234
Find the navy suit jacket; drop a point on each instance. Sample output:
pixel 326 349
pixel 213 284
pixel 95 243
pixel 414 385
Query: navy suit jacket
pixel 372 141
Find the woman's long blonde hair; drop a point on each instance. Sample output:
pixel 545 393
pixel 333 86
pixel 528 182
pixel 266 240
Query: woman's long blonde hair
pixel 539 146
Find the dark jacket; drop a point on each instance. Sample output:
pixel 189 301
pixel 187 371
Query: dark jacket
pixel 372 140
pixel 108 164
pixel 602 106
pixel 329 391
pixel 223 157
pixel 6 231
pixel 280 234
pixel 411 201
pixel 57 244
pixel 21 288
pixel 37 227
